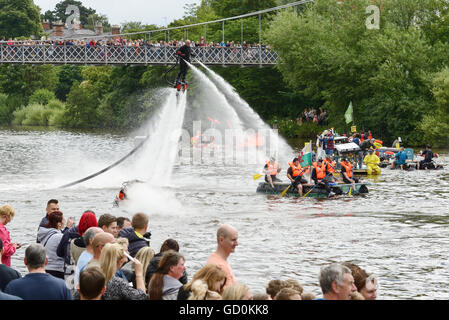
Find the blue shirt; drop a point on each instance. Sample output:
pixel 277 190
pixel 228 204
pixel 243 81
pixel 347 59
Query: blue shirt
pixel 401 157
pixel 83 260
pixel 39 286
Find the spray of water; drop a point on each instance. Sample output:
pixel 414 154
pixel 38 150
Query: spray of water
pixel 215 102
pixel 156 159
pixel 250 119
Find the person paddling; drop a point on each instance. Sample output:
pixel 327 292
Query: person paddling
pixel 271 169
pixel 295 174
pixel 347 173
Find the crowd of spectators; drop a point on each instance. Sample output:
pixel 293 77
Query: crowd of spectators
pixel 113 260
pixel 123 42
pixel 313 115
pixel 140 50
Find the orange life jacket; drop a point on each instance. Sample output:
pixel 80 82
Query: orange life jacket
pixel 348 168
pixel 330 165
pixel 272 169
pixel 297 170
pixel 320 171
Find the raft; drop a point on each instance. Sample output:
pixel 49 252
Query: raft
pixel 317 192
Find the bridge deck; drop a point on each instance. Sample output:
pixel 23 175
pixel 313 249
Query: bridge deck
pixel 117 55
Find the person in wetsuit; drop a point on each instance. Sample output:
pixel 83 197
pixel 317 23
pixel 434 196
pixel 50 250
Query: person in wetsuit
pixel 427 161
pixel 184 53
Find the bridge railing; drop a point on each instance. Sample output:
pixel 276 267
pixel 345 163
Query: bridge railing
pixel 46 53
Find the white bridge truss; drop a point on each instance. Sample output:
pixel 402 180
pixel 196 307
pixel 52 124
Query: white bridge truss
pixel 55 54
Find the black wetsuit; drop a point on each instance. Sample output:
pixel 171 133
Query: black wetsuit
pixel 428 155
pixel 184 52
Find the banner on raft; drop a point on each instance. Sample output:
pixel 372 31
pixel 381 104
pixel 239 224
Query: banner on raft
pixel 305 156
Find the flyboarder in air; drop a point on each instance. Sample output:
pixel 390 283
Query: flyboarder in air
pixel 184 54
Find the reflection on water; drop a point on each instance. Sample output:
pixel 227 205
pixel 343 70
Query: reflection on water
pixel 398 231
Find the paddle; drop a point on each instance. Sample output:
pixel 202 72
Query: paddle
pixel 316 185
pixel 286 189
pixel 258 176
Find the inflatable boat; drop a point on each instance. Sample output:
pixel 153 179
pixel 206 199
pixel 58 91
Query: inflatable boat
pixel 317 192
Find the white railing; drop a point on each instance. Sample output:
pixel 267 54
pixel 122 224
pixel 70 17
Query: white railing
pixel 46 53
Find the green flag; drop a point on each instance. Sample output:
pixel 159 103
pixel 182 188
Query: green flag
pixel 348 113
pixel 305 156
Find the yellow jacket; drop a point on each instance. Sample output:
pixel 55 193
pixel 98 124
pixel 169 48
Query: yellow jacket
pixel 371 159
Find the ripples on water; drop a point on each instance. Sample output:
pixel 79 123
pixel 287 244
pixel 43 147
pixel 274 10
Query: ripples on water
pixel 398 231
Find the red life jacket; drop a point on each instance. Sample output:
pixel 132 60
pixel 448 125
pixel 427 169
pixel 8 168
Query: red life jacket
pixel 296 170
pixel 330 165
pixel 348 168
pixel 320 171
pixel 272 169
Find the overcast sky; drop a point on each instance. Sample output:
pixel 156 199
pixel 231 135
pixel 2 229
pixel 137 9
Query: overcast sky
pixel 118 11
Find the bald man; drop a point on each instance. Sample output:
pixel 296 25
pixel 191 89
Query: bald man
pixel 227 237
pixel 99 241
pixel 88 253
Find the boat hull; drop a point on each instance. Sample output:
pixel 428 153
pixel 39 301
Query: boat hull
pixel 318 192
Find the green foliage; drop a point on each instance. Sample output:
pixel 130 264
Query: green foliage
pixel 67 74
pixel 19 18
pixel 328 54
pixel 42 96
pixel 34 115
pixel 265 91
pixel 81 108
pixel 5 110
pixel 231 8
pixel 289 128
pixel 23 80
pixel 436 126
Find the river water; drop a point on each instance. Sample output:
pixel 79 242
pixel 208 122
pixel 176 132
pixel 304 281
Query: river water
pixel 398 232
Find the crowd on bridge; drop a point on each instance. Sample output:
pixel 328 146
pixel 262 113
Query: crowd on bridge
pixel 122 42
pixel 110 258
pixel 128 50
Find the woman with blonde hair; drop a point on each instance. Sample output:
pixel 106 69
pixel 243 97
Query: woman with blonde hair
pixel 144 255
pixel 212 275
pixel 112 258
pixel 237 291
pixel 9 248
pixel 200 291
